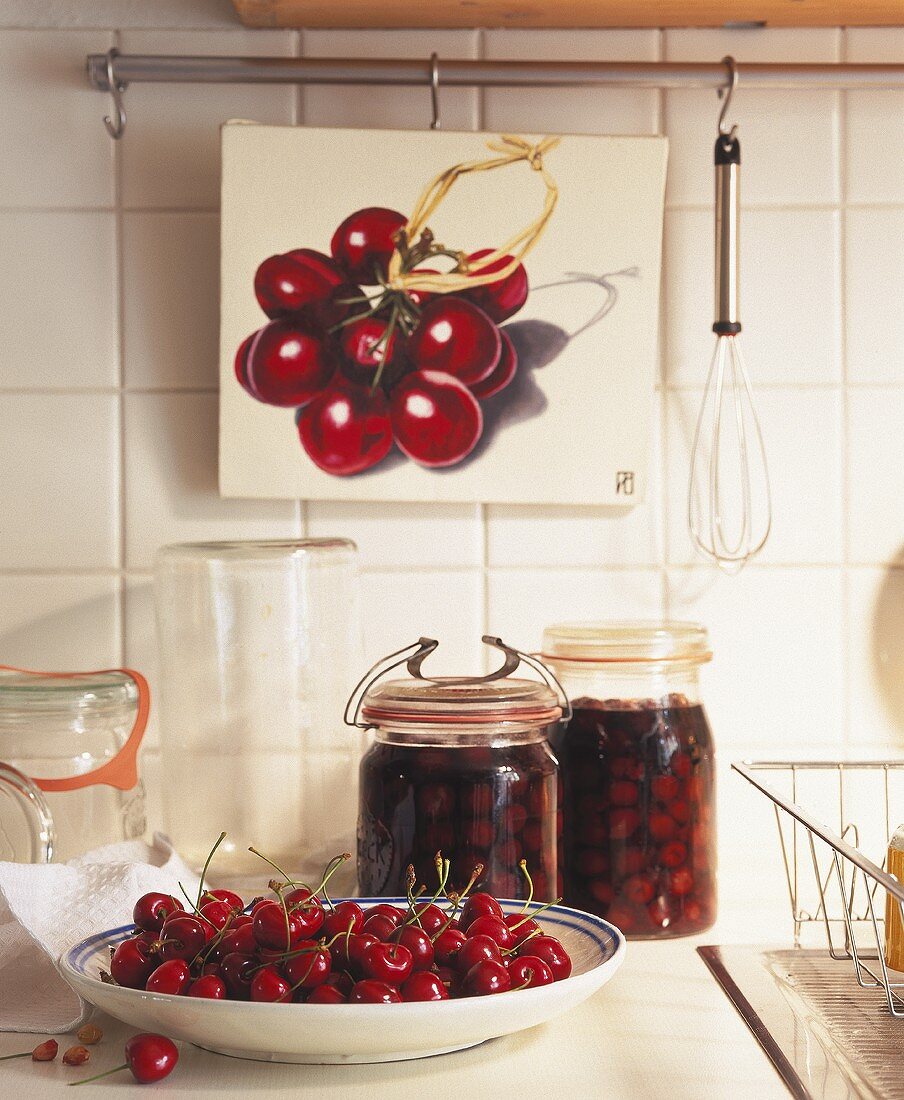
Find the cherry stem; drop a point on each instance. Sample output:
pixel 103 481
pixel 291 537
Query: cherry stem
pixel 331 868
pixel 457 899
pixel 24 1054
pixel 98 1076
pixel 219 841
pixel 194 906
pixel 536 912
pixel 276 867
pixel 522 866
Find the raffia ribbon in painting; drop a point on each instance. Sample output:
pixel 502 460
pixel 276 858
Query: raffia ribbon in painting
pixel 465 274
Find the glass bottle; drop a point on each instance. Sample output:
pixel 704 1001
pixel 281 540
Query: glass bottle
pixel 638 767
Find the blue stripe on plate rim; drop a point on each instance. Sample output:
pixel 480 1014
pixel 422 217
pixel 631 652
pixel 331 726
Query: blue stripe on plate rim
pixel 589 925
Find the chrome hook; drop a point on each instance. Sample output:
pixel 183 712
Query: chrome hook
pixel 434 91
pixel 726 93
pixel 115 128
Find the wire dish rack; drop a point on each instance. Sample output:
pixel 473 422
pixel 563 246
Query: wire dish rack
pixel 833 885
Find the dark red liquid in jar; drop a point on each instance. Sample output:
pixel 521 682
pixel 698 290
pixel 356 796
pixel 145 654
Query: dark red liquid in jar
pixel 485 804
pixel 639 778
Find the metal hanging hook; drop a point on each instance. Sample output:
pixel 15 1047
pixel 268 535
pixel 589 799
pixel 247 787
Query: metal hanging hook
pixel 726 94
pixel 435 123
pixel 115 128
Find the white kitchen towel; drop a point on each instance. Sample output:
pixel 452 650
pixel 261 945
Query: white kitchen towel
pixel 46 908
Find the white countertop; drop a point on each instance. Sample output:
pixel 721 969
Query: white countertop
pixel 661 1028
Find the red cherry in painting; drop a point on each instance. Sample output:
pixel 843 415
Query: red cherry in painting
pixel 371 992
pixel 364 242
pixel 241 362
pixel 347 429
pixel 484 978
pixel 527 971
pixel 209 987
pixel 367 345
pixel 387 962
pixel 269 986
pixel 504 371
pixel 504 297
pixel 436 419
pixel 169 977
pixel 479 905
pixel 551 951
pixel 454 336
pixel 424 986
pixel 288 364
pixel 132 964
pixel 283 285
pixel 320 264
pixel 151 910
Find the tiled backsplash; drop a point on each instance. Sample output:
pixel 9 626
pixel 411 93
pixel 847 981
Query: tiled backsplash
pixel 108 377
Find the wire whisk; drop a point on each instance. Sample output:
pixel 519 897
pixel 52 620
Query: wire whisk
pixel 729 500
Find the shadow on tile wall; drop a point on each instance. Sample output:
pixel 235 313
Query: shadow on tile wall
pixel 887 649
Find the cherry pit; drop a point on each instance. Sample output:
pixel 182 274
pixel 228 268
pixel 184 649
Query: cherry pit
pixel 296 945
pixel 368 366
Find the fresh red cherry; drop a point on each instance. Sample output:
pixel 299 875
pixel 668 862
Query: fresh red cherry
pixel 527 971
pixel 269 986
pixel 424 986
pixel 486 977
pixel 326 995
pixel 183 937
pixel 436 420
pixel 241 940
pixel 363 243
pixel 493 927
pixel 285 284
pixel 310 969
pixel 387 962
pixel 521 926
pixel 238 971
pixel 350 952
pixel 217 913
pixel 169 977
pixel 149 1057
pixel 473 950
pixel 551 951
pixel 151 910
pixel 307 910
pixel 457 338
pixel 288 364
pixel 430 917
pixel 230 897
pixel 479 905
pixel 367 344
pixel 503 373
pixel 346 916
pixel 210 987
pixel 132 964
pixel 381 926
pixel 503 298
pixel 392 912
pixel 347 429
pixel 276 928
pixel 372 992
pixel 447 945
pixel 418 943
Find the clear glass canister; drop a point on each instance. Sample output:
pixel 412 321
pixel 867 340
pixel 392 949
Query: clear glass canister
pixel 638 766
pixel 77 736
pixel 462 767
pixel 259 647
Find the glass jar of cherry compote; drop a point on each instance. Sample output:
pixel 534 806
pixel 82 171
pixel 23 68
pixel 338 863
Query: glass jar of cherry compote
pixel 461 766
pixel 638 769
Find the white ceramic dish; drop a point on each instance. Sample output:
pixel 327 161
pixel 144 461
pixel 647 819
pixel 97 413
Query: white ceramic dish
pixel 354 1033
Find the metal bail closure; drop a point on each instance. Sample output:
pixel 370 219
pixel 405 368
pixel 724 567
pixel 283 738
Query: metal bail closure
pixel 423 647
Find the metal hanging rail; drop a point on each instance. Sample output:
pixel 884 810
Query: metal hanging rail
pixel 113 72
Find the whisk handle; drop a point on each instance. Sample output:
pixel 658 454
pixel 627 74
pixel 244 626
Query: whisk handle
pixel 728 169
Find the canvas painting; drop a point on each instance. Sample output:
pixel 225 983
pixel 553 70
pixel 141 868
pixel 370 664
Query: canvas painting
pixel 466 317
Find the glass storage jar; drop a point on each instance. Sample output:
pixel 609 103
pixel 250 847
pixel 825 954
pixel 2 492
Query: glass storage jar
pixel 76 735
pixel 638 769
pixel 460 766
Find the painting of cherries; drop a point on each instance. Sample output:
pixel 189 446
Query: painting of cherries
pixel 370 368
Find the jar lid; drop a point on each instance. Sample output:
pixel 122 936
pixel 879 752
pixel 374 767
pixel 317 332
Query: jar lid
pixel 89 691
pixel 449 700
pixel 627 641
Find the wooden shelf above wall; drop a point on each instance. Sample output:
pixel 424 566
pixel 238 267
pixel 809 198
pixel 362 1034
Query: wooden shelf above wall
pixel 568 13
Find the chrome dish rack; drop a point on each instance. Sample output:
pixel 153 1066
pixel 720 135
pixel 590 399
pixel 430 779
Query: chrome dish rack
pixel 832 884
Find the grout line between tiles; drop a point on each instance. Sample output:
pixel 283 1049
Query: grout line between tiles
pixel 842 139
pixel 121 403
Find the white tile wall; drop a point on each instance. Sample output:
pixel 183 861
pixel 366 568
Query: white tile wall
pixel 111 298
